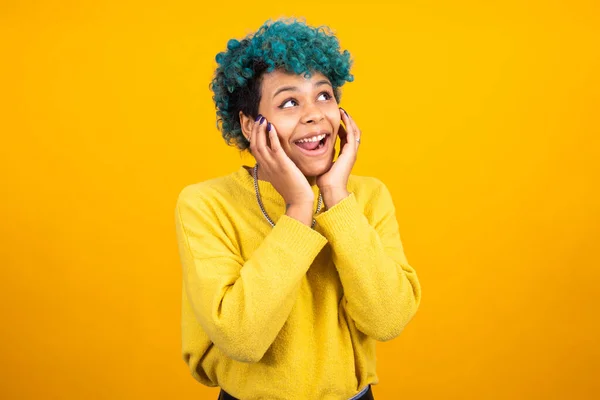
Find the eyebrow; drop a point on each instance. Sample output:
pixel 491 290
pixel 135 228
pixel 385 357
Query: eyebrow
pixel 295 88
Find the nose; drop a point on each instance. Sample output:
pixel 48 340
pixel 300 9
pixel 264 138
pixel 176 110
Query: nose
pixel 312 113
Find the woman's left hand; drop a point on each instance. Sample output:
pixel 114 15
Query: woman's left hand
pixel 334 183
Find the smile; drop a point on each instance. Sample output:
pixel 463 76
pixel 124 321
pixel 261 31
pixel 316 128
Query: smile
pixel 314 146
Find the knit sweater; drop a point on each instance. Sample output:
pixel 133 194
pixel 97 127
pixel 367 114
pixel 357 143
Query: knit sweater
pixel 289 312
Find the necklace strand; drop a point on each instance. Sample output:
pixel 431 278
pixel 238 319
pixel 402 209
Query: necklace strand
pixel 262 208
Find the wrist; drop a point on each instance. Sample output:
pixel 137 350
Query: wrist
pixel 302 212
pixel 332 196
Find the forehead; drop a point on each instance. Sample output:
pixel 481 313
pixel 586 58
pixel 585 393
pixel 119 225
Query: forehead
pixel 271 81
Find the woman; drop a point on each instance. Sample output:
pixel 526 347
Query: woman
pixel 292 269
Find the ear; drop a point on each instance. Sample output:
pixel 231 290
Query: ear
pixel 246 123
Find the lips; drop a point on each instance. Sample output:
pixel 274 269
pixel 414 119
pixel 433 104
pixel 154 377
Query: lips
pixel 314 149
pixel 313 134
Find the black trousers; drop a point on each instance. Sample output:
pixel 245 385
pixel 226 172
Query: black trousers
pixel 368 395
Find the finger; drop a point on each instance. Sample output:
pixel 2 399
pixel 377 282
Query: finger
pixel 343 135
pixel 280 158
pixel 344 127
pixel 342 131
pixel 350 133
pixel 252 136
pixel 349 127
pixel 249 138
pixel 267 136
pixel 276 148
pixel 260 137
pixel 355 132
pixel 357 136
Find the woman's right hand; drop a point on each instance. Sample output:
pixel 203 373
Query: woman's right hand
pixel 276 167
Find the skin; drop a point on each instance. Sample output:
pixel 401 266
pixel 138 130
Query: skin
pixel 296 106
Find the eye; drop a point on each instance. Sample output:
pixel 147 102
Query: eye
pixel 288 103
pixel 325 96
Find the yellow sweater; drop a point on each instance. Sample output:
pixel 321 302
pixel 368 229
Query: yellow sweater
pixel 288 312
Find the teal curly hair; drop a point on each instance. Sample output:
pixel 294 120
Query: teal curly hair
pixel 288 45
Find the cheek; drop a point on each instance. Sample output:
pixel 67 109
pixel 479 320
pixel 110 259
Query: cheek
pixel 334 119
pixel 285 128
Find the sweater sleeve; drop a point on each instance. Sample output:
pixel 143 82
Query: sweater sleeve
pixel 381 290
pixel 241 304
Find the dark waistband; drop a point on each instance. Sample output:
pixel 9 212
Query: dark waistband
pixel 368 395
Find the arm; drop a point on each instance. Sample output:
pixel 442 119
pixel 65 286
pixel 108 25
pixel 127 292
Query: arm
pixel 381 290
pixel 241 305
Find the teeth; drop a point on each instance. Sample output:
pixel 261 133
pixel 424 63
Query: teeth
pixel 312 139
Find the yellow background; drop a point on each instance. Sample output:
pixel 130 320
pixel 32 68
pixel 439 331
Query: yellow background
pixel 481 117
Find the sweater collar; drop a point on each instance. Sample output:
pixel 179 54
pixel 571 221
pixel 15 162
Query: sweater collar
pixel 265 188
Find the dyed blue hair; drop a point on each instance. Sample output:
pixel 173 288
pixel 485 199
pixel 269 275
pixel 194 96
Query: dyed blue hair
pixel 289 45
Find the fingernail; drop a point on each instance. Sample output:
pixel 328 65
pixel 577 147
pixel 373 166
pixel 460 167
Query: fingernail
pixel 269 127
pixel 344 112
pixel 257 118
pixel 262 119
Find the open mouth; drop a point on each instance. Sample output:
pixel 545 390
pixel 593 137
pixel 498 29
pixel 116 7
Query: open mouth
pixel 316 146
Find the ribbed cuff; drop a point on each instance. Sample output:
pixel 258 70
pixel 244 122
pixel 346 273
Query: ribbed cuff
pixel 342 217
pixel 298 238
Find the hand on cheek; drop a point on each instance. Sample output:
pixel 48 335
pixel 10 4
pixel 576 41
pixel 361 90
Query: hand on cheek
pixel 334 183
pixel 277 168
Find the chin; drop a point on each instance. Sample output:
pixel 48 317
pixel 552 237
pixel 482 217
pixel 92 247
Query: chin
pixel 317 168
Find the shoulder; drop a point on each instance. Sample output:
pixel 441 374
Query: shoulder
pixel 366 186
pixel 371 193
pixel 208 191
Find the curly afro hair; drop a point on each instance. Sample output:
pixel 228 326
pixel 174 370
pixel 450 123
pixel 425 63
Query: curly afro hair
pixel 288 45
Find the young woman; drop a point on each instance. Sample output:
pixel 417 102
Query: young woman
pixel 292 268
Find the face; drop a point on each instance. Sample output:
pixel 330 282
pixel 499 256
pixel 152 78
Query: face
pixel 302 108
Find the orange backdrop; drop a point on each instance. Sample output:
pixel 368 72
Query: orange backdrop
pixel 481 117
